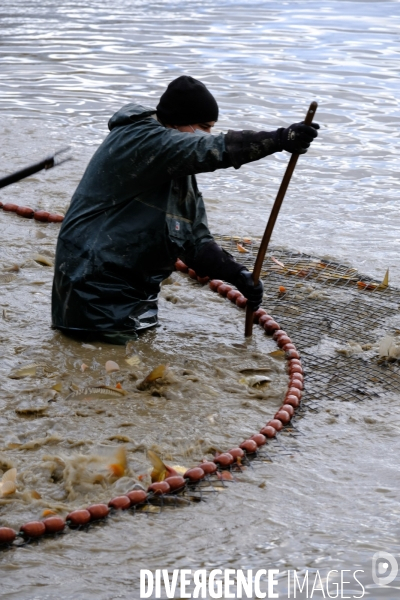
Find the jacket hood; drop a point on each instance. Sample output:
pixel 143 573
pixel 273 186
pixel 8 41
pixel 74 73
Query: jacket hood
pixel 129 114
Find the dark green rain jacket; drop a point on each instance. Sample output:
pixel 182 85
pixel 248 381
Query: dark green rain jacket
pixel 136 209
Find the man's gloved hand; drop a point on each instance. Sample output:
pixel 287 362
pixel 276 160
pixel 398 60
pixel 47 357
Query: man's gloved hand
pixel 253 293
pixel 298 137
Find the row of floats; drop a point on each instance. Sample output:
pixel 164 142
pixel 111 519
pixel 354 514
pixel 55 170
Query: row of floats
pixel 226 460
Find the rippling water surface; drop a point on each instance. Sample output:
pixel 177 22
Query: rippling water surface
pixel 65 68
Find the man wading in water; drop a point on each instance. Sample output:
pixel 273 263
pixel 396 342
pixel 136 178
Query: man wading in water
pixel 138 208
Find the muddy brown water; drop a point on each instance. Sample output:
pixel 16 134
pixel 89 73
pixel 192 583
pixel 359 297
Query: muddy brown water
pixel 330 500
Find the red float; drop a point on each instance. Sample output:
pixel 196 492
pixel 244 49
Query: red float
pixel 278 333
pixel 25 211
pixel 223 289
pixel 224 460
pixel 236 453
pixel 258 313
pixel 33 529
pixel 288 346
pixel 98 511
pixel 180 266
pixel 195 474
pixel 120 503
pixel 41 215
pixel 268 431
pixel 282 340
pixel 214 284
pixel 233 295
pixel 54 524
pixel 137 497
pixel 298 376
pixel 176 483
pixel 8 207
pixel 275 423
pixel 295 362
pixel 295 369
pixel 54 218
pixel 208 467
pixel 263 319
pixel 282 416
pixel 77 518
pixel 250 446
pixel 270 326
pixel 294 391
pixel 288 408
pixel 296 383
pixel 203 280
pixel 292 400
pixel 259 439
pixel 159 488
pixel 241 302
pixel 7 535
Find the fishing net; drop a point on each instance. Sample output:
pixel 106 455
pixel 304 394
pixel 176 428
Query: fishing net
pixel 336 316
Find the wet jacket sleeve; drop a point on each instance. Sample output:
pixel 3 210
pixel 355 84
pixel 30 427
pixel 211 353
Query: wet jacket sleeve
pixel 212 261
pixel 248 146
pixel 188 154
pixel 152 153
pixel 159 154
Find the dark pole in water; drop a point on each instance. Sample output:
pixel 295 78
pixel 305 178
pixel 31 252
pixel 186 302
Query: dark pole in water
pixel 272 219
pixel 47 163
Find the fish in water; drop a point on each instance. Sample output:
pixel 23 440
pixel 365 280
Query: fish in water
pixel 43 260
pixel 256 381
pixel 27 371
pixel 160 470
pixel 6 278
pixel 106 465
pixel 8 483
pixel 120 463
pixel 103 392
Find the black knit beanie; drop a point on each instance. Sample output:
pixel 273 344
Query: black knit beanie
pixel 187 101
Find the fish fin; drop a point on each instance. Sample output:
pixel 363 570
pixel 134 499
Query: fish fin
pixel 277 354
pixel 10 475
pixel 159 472
pixel 278 262
pixel 156 373
pixel 120 463
pixel 7 488
pixel 116 470
pixel 179 470
pixel 385 281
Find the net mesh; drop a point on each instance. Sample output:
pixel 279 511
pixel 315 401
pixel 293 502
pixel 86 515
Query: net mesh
pixel 334 314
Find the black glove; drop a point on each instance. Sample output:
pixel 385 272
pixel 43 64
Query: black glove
pixel 298 137
pixel 253 293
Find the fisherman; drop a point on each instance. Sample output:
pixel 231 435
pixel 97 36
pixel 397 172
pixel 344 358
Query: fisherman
pixel 138 209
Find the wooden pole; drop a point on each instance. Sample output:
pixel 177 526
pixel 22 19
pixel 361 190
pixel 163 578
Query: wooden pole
pixel 46 163
pixel 272 220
